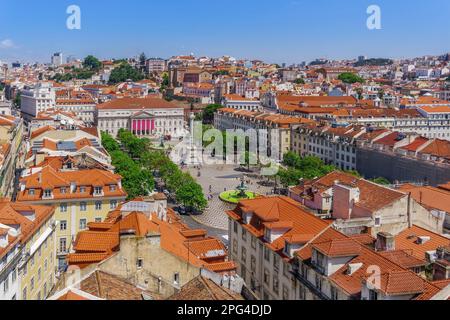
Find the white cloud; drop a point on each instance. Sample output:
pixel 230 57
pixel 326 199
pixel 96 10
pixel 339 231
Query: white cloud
pixel 7 44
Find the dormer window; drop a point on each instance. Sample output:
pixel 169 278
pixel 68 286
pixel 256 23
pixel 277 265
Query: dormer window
pixel 287 249
pixel 63 190
pixel 97 190
pixel 112 187
pixel 82 189
pixel 31 192
pixel 47 193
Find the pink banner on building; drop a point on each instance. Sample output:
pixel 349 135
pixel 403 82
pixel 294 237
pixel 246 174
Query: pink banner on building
pixel 134 126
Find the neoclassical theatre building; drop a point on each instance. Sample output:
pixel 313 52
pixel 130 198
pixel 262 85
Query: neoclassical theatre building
pixel 145 117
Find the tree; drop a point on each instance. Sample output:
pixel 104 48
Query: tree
pixel 92 63
pixel 165 82
pixel 299 81
pixel 291 159
pixel 353 173
pixel 221 73
pixel 109 143
pixel 17 100
pixel 289 177
pixel 208 112
pixel 350 78
pixel 191 195
pixel 308 168
pixel 123 73
pixel 142 61
pixel 382 181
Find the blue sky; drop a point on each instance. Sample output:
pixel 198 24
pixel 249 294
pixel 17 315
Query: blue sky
pixel 276 31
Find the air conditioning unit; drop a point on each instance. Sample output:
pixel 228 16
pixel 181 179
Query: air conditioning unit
pixel 423 239
pixel 430 256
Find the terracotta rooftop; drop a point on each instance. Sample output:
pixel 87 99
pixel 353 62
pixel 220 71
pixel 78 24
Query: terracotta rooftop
pixel 201 288
pixel 408 240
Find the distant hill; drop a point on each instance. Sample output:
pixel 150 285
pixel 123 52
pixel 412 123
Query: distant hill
pixel 374 62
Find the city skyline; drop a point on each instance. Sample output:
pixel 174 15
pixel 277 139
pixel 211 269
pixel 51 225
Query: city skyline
pixel 31 32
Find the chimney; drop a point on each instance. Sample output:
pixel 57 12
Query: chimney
pixel 385 242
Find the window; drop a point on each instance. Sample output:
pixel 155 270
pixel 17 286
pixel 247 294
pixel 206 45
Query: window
pixel 39 274
pixel 45 265
pixel 32 283
pixel 113 204
pixel 286 270
pixel 253 242
pixel 24 294
pixel 63 207
pixel 139 263
pixel 235 227
pixel 112 187
pixel 244 234
pixel 14 275
pixel 62 244
pixel 63 190
pixel 333 293
pixel 82 189
pixel 47 193
pixel 63 225
pixel 25 267
pixel 97 190
pixel 83 224
pixel 285 293
pixel 6 285
pixel 31 192
pixel 32 260
pixel 276 262
pixel 266 254
pixel 373 295
pixel 235 246
pixel 45 290
pixel 176 278
pixel 318 282
pixel 377 221
pixel 83 206
pixel 266 277
pixel 275 285
pixel 98 205
pixel 253 263
pixel 98 220
pixel 243 254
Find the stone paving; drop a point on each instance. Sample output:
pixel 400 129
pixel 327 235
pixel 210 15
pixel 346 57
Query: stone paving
pixel 220 178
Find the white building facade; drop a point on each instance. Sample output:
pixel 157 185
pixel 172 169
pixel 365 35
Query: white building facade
pixel 37 99
pixel 147 117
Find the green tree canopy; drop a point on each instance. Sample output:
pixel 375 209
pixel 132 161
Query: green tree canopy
pixel 299 81
pixel 349 77
pixel 123 73
pixel 297 167
pixel 109 143
pixel 382 181
pixel 190 194
pixel 208 112
pixel 92 63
